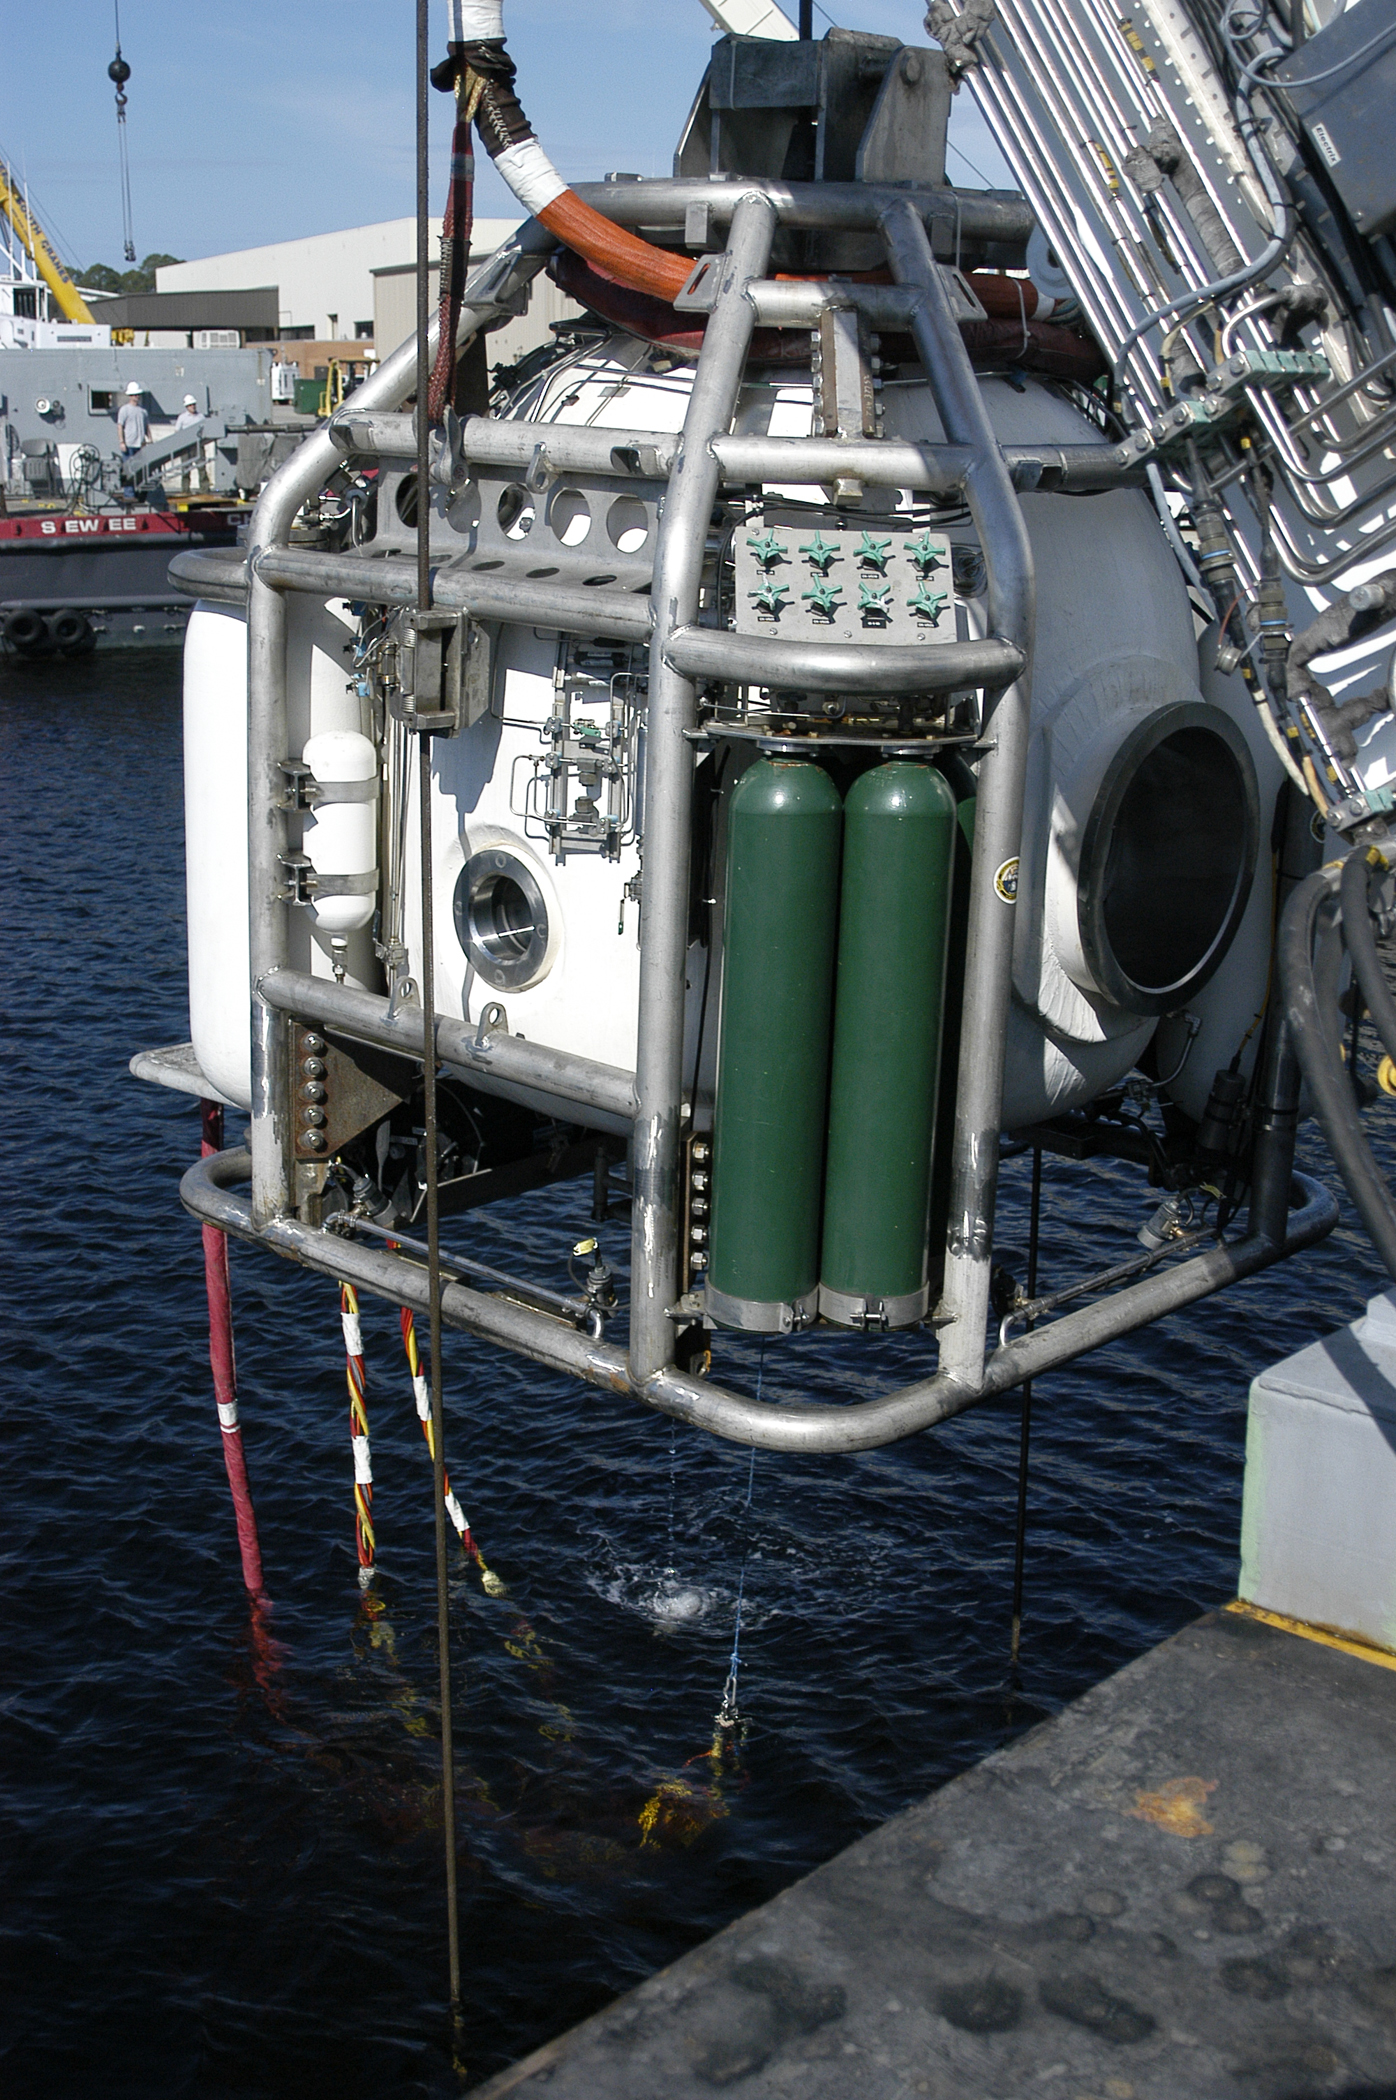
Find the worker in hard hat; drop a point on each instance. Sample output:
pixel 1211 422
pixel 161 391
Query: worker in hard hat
pixel 192 474
pixel 132 422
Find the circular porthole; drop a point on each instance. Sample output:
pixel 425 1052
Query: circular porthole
pixel 1167 858
pixel 515 512
pixel 628 523
pixel 502 919
pixel 569 515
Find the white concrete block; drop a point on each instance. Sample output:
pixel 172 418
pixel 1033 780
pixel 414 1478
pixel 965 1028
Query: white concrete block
pixel 1318 1526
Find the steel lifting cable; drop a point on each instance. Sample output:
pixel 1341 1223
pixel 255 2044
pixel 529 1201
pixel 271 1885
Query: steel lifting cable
pixel 428 995
pixel 728 1719
pixel 119 72
pixel 356 1377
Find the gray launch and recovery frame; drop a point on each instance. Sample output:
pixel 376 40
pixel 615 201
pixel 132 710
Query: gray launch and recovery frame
pixel 1287 1211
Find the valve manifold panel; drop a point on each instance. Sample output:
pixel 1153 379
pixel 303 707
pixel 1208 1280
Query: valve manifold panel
pixel 876 580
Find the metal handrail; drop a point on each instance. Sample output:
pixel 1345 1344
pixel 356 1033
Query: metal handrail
pixel 207 1192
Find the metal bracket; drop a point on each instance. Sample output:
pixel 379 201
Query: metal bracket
pixel 492 1016
pixel 421 698
pixel 699 295
pixel 302 789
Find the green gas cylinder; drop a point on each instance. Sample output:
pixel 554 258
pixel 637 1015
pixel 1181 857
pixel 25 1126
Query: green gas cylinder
pixel 965 789
pixel 894 921
pixel 783 826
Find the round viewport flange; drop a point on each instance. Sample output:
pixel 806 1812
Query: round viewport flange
pixel 1168 857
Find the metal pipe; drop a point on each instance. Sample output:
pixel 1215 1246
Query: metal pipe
pixel 291 486
pixel 649 455
pixel 678 573
pixel 386 581
pixel 999 811
pixel 370 1019
pixel 661 205
pixel 871 1423
pixel 798 302
pixel 841 667
pixel 207 1192
pixel 387 436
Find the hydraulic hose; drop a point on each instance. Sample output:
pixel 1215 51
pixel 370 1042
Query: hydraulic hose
pixel 1329 1081
pixel 1361 944
pixel 475 31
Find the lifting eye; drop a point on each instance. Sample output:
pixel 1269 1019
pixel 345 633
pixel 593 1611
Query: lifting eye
pixel 502 920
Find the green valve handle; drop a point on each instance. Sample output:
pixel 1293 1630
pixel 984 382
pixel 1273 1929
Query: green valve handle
pixel 928 603
pixel 766 547
pixel 873 597
pixel 771 596
pixel 819 552
pixel 824 597
pixel 926 552
pixel 873 553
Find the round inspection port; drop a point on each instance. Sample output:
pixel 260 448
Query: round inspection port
pixel 502 920
pixel 569 515
pixel 628 524
pixel 1168 857
pixel 515 512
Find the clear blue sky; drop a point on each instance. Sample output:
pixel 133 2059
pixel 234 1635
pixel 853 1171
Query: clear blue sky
pixel 254 121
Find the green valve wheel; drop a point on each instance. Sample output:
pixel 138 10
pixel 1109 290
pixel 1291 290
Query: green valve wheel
pixel 783 831
pixel 894 924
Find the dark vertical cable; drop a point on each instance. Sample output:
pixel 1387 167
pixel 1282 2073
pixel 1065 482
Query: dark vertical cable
pixel 438 1423
pixel 806 20
pixel 1020 1534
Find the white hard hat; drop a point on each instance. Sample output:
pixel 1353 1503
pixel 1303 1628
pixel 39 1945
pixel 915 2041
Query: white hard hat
pixel 132 387
pixel 190 401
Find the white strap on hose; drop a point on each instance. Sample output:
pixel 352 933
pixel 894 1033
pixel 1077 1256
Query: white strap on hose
pixel 456 1514
pixel 228 1414
pixel 353 1337
pixel 474 21
pixel 530 175
pixel 422 1397
pixel 363 1461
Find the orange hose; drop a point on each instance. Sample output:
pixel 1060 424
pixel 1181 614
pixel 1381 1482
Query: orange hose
pixel 636 263
pixel 644 268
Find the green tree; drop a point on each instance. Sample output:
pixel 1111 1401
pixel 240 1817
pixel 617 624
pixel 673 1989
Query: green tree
pixel 100 278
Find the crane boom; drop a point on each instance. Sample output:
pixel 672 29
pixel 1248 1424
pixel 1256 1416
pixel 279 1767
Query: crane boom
pixel 35 241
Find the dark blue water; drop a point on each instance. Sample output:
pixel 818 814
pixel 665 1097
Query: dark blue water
pixel 221 1841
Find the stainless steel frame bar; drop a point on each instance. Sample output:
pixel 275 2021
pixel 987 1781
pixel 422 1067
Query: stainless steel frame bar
pixel 393 581
pixel 673 709
pixel 476 1051
pixel 208 1192
pixel 841 667
pixel 662 205
pixel 999 809
pixel 649 455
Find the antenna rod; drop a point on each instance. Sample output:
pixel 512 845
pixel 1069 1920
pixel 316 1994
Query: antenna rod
pixel 806 21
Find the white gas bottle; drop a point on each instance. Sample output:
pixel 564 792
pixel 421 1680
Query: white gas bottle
pixel 341 836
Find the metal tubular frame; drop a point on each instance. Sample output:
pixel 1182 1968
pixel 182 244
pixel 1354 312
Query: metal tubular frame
pixel 669 763
pixel 653 1098
pixel 208 1192
pixel 293 485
